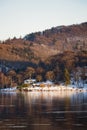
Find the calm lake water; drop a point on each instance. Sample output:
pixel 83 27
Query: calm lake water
pixel 43 111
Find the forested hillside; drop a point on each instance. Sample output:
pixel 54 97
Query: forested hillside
pixel 48 52
pixel 41 45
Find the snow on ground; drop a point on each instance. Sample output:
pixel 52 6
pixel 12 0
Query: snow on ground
pixel 54 87
pixel 9 89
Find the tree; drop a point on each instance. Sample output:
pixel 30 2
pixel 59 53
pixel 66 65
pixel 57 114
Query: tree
pixel 57 72
pixel 50 75
pixel 83 75
pixel 4 80
pixel 30 72
pixel 67 77
pixel 39 78
pixel 39 70
pixel 12 73
pixel 30 37
pixel 12 76
pixel 19 79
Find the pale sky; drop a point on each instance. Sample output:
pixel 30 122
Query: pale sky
pixel 21 17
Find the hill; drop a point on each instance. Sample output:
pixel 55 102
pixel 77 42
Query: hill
pixel 40 46
pixel 59 39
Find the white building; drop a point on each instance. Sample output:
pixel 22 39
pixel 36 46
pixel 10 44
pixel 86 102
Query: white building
pixel 29 81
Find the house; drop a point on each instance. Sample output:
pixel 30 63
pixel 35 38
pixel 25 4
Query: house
pixel 29 81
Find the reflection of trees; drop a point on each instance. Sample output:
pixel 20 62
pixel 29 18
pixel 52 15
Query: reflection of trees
pixel 12 102
pixel 56 107
pixel 42 108
pixel 68 115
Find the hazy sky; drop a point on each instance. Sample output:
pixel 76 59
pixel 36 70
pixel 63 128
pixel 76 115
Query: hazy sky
pixel 20 17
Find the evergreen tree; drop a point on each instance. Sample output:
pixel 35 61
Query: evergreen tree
pixel 67 77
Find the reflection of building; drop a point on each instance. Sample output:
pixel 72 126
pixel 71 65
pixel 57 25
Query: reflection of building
pixel 29 81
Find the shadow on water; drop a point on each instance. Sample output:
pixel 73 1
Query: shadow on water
pixel 43 111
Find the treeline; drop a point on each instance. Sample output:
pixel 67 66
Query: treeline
pixel 59 30
pixel 56 68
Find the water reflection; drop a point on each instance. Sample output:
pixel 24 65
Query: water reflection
pixel 43 111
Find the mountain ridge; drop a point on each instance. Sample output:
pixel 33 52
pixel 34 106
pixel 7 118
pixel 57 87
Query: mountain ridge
pixel 42 45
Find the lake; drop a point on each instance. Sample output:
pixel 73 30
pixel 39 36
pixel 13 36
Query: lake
pixel 43 111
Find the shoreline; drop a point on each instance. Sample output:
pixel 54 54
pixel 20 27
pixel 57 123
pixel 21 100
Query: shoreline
pixel 53 89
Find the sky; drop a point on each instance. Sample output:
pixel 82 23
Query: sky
pixel 21 17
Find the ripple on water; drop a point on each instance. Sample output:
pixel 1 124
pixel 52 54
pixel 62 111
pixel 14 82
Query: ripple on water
pixel 77 125
pixel 59 112
pixel 17 126
pixel 38 124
